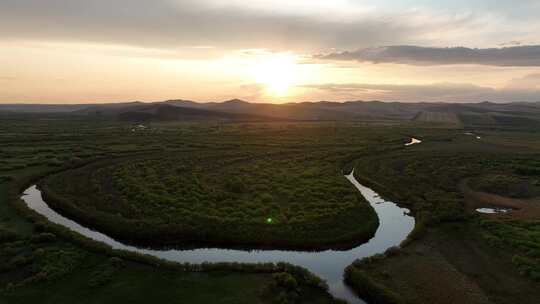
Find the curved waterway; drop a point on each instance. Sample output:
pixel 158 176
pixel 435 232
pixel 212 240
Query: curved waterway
pixel 394 226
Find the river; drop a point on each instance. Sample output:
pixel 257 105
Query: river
pixel 395 224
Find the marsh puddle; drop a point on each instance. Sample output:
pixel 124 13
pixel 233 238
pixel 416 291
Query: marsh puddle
pixel 473 134
pixel 395 224
pixel 493 210
pixel 413 141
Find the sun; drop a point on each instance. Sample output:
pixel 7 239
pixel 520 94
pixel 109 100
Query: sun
pixel 276 72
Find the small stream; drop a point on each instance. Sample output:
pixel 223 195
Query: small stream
pixel 394 226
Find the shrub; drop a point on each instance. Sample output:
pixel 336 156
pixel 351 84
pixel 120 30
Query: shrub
pixel 45 237
pixel 5 178
pixel 117 262
pixel 7 236
pixel 285 280
pixel 101 277
pixel 370 290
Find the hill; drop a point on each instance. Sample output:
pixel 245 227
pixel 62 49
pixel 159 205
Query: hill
pixel 164 112
pixel 468 115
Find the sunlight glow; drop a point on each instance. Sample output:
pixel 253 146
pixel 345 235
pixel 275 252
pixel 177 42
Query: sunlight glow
pixel 276 72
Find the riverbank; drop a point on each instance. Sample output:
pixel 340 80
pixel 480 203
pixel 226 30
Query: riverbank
pixel 451 264
pixel 460 256
pixel 37 256
pixel 395 226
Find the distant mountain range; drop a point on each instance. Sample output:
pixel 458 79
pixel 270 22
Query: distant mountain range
pixel 484 113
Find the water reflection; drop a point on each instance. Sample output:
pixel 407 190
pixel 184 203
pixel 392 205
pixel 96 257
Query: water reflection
pixel 413 141
pixel 494 210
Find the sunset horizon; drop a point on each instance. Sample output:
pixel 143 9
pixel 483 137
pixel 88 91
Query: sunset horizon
pixel 269 151
pixel 262 102
pixel 268 51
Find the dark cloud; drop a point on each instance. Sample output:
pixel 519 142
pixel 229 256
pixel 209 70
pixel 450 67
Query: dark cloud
pixel 174 23
pixel 415 55
pixel 430 92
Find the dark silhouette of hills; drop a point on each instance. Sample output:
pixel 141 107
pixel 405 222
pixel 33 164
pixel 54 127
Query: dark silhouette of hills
pixel 484 113
pixel 165 112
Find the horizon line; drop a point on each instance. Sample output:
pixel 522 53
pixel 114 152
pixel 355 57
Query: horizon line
pixel 255 102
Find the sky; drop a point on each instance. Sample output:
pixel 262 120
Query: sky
pixel 80 51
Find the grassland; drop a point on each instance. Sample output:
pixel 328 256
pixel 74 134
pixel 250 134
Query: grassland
pixel 473 258
pixel 290 172
pixel 37 257
pixel 265 197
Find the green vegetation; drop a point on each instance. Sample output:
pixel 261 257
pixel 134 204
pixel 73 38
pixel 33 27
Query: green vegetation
pixel 428 177
pixel 523 237
pixel 368 289
pixel 365 286
pixel 225 198
pixel 266 184
pixel 489 256
pixel 37 256
pixel 510 185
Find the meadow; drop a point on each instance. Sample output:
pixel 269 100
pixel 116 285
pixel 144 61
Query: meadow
pixel 494 257
pixel 265 185
pixel 229 196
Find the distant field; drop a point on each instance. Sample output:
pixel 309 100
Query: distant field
pixel 438 117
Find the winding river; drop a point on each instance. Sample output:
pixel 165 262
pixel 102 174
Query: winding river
pixel 395 224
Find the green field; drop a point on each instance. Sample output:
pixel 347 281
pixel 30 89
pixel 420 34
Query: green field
pixel 220 183
pixel 495 258
pixel 265 196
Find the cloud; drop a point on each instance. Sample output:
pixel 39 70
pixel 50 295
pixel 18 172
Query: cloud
pixel 531 81
pixel 447 92
pixel 169 24
pixel 415 55
pixel 176 23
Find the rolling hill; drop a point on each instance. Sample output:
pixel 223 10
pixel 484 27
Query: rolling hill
pixel 471 114
pixel 165 112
